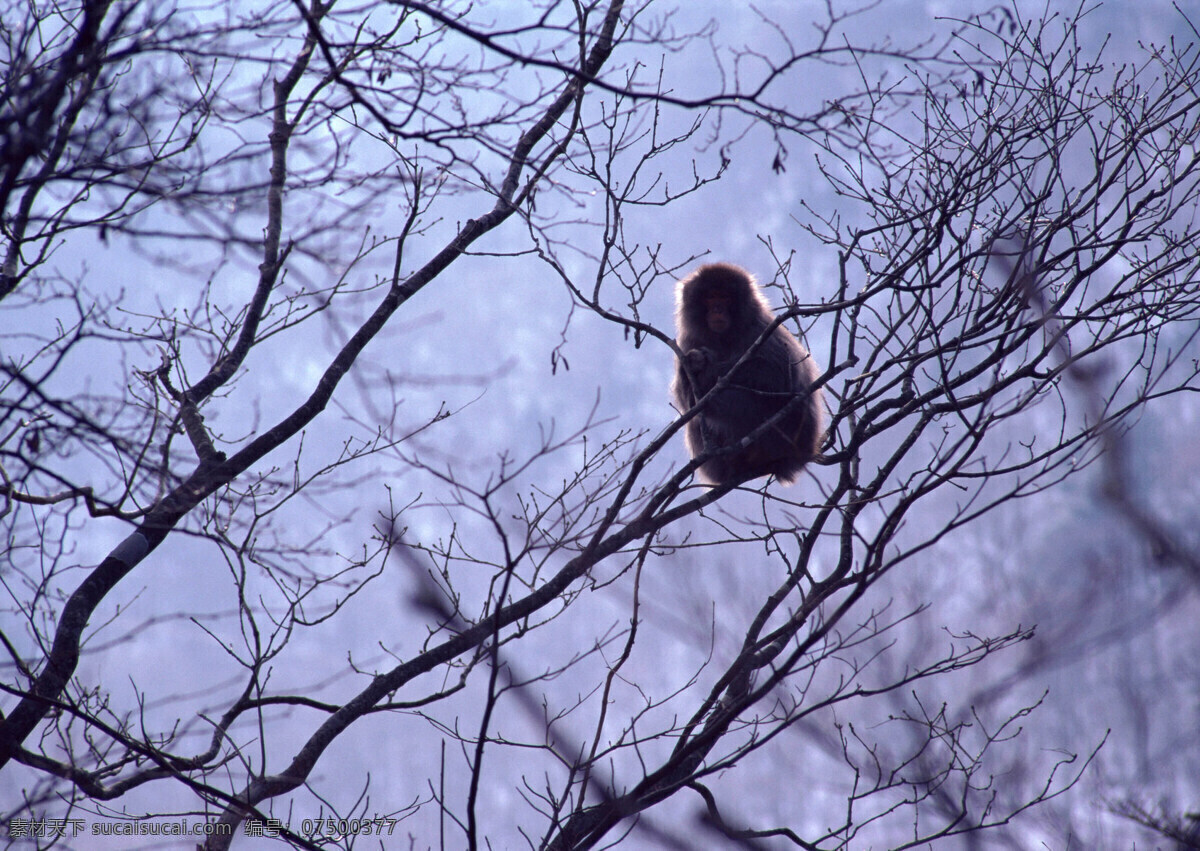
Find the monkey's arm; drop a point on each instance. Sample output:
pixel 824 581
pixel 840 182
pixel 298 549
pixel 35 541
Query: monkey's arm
pixel 694 376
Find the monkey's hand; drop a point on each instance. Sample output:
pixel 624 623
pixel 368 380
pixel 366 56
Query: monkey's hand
pixel 697 360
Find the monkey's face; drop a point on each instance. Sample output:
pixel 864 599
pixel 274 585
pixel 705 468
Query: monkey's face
pixel 718 311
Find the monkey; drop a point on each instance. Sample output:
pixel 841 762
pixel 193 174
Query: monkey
pixel 720 314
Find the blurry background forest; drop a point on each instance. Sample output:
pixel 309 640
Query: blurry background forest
pixel 993 645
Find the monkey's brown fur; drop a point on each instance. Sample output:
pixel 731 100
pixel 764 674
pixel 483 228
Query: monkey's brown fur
pixel 720 313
